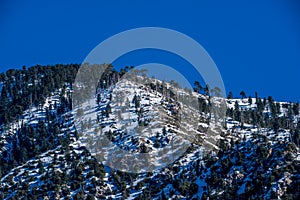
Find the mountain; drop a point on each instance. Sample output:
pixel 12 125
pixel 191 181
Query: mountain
pixel 137 137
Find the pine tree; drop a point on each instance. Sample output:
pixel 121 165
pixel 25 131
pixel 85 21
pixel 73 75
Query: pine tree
pixel 250 100
pixel 243 94
pixel 230 95
pixel 197 87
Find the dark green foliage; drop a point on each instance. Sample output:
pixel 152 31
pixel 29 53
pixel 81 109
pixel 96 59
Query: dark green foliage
pixel 31 87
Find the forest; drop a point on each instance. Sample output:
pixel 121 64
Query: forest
pixel 36 122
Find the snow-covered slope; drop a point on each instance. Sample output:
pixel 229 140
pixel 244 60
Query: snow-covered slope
pixel 191 154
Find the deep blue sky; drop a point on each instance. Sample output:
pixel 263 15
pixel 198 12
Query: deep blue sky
pixel 255 44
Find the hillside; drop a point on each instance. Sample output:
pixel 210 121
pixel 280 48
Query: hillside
pixel 141 138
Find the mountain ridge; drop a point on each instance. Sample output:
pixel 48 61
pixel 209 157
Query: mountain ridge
pixel 253 157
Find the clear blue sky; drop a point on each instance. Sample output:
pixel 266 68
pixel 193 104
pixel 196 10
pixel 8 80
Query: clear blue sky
pixel 255 44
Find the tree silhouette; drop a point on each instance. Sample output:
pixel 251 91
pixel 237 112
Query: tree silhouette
pixel 243 94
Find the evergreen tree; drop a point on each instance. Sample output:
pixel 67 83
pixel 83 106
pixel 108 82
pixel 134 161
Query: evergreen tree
pixel 230 95
pixel 243 94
